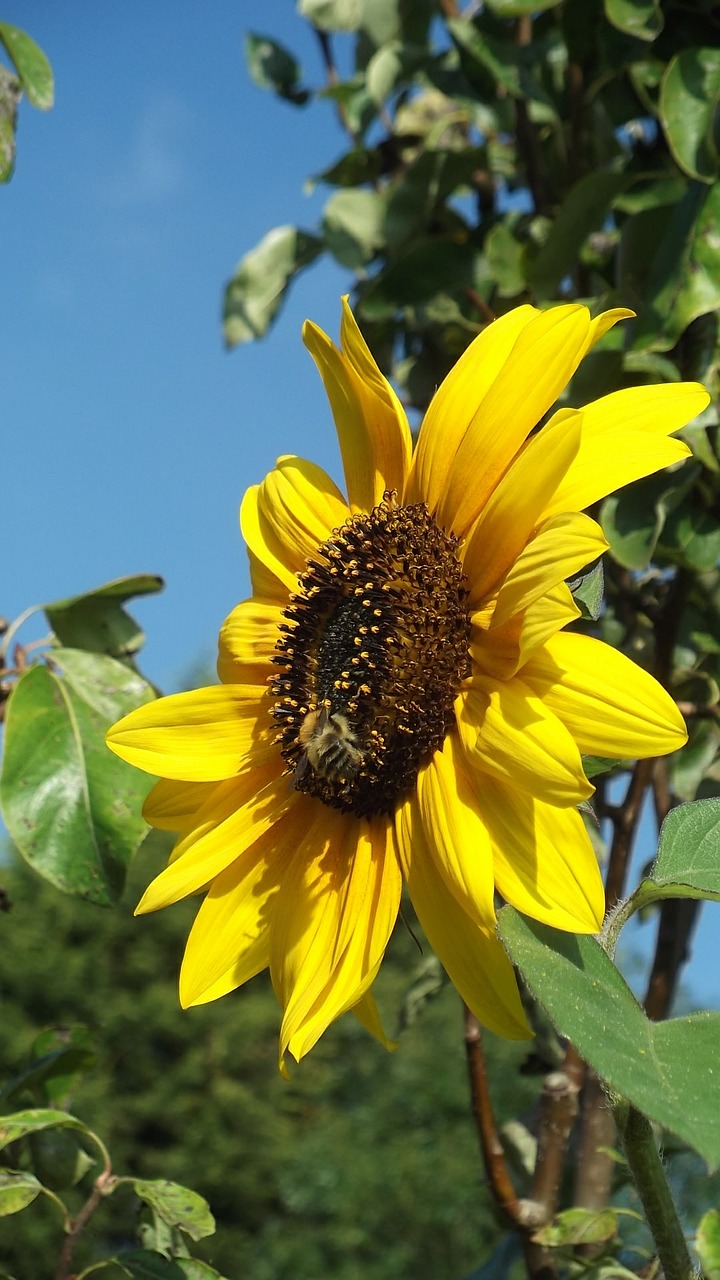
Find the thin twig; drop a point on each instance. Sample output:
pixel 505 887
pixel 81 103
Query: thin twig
pixel 100 1189
pixel 498 1176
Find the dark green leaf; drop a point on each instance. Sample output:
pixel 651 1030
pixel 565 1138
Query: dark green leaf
pixel 96 620
pixel 32 66
pixel 667 1069
pixel 689 98
pixel 141 1264
pixel 70 805
pixel 177 1206
pixel 418 275
pixel 692 536
pixel 640 18
pixel 257 290
pixel 517 8
pixel 594 765
pixel 506 260
pixel 54 1070
pixel 58 1159
pixel 633 519
pixel 684 282
pixel 707 1243
pixel 17 1191
pixel 583 210
pixel 687 768
pixel 272 67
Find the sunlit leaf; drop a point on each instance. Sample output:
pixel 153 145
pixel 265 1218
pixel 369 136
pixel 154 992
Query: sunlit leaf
pixel 578 1226
pixel 669 1070
pixel 332 15
pixel 18 1189
pixel 689 99
pixel 352 225
pixel 684 282
pixel 22 1123
pixel 640 18
pixel 257 290
pixel 707 1243
pixel 97 621
pixel 33 68
pixel 70 805
pixel 177 1206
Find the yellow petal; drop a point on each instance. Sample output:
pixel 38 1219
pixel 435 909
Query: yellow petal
pixel 247 642
pixel 265 584
pixel 230 940
pixel 623 438
pixel 172 806
pixel 562 546
pixel 371 425
pixel 286 518
pixel 542 361
pixel 455 833
pixel 611 706
pixel 200 736
pixel 367 1014
pixel 457 402
pixel 509 733
pixel 235 816
pixel 544 862
pixel 516 507
pixel 503 651
pixel 473 958
pixel 331 924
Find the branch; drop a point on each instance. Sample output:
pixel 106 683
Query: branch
pixel 499 1180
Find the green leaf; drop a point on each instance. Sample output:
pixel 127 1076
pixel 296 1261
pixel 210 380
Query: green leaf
pixel 707 1244
pixel 96 620
pixel 640 18
pixel 687 768
pixel 689 98
pixel 594 765
pixel 688 857
pixel 506 260
pixel 9 98
pixel 588 591
pixel 51 1075
pixel 141 1264
pixel 583 211
pixel 517 8
pixel 257 290
pixel 684 282
pixel 272 67
pixel 578 1226
pixel 692 536
pixel 70 805
pixel 668 1069
pixel 33 68
pixel 632 519
pixel 58 1159
pixel 352 226
pixel 332 15
pixel 22 1123
pixel 177 1206
pixel 17 1191
pixel 433 267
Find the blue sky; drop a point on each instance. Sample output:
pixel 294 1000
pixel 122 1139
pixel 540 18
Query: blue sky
pixel 130 433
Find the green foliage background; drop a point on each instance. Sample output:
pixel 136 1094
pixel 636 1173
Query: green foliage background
pixel 365 1164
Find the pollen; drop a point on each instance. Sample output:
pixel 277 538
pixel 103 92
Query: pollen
pixel 378 634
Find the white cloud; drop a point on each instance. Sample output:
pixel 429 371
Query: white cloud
pixel 154 167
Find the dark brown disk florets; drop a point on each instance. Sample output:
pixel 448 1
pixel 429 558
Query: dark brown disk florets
pixel 374 648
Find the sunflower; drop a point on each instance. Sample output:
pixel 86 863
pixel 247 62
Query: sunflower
pixel 399 700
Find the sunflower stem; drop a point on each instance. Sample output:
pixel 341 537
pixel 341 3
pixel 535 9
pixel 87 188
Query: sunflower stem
pixel 648 1174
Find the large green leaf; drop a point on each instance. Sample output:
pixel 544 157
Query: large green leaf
pixel 256 292
pixel 669 1070
pixel 688 857
pixel 684 282
pixel 177 1206
pixel 22 1124
pixel 70 805
pixel 353 226
pixel 33 68
pixel 97 620
pixel 689 99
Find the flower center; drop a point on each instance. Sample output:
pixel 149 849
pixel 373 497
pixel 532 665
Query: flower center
pixel 373 650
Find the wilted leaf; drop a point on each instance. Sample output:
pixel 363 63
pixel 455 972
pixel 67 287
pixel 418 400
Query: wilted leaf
pixel 177 1206
pixel 97 621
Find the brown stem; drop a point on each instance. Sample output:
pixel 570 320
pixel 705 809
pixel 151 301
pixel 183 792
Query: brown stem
pixel 499 1180
pixel 527 138
pixel 79 1223
pixel 625 820
pixel 558 1109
